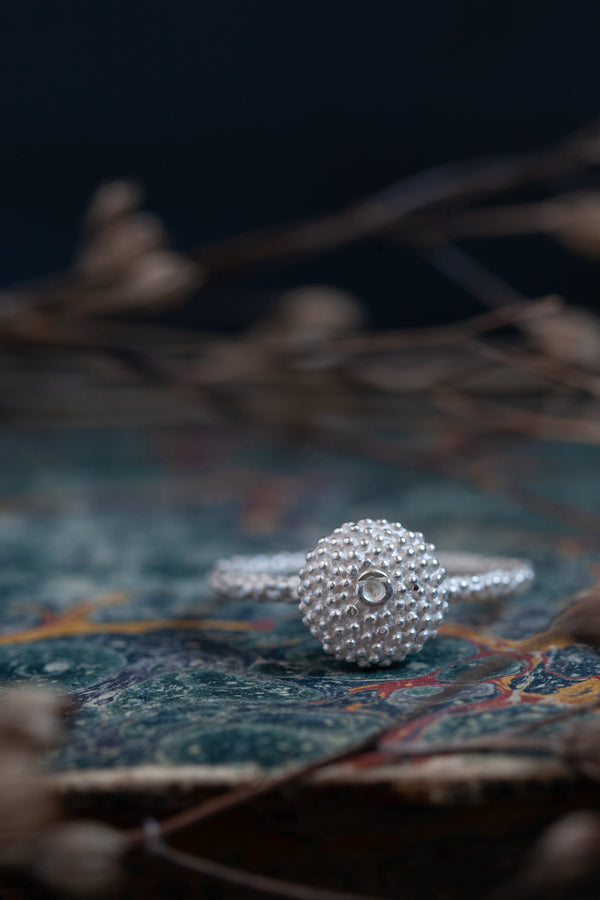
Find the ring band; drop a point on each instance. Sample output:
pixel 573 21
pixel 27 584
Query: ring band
pixel 372 592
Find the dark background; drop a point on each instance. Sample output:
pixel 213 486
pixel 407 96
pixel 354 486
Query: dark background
pixel 238 114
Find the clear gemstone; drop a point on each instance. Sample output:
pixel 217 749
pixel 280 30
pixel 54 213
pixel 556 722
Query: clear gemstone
pixel 374 588
pixel 372 591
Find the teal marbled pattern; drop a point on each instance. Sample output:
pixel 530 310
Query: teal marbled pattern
pixel 164 674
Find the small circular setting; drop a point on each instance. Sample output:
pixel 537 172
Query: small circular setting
pixel 372 592
pixel 374 587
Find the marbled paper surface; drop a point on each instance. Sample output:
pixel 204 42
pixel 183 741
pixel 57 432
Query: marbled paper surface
pixel 105 539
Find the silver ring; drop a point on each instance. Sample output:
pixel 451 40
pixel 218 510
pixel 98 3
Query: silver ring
pixel 372 592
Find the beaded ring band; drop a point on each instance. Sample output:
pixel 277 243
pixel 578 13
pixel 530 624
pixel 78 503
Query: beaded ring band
pixel 372 592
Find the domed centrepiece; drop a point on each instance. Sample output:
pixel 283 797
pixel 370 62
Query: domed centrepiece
pixel 372 592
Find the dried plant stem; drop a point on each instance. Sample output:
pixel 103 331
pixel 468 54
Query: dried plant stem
pixel 81 334
pixel 529 422
pixel 251 880
pixel 575 380
pixel 380 214
pixel 473 277
pixel 384 212
pixel 243 796
pixel 301 376
pixel 521 311
pixel 501 221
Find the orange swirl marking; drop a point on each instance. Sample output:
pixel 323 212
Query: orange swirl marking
pixel 536 642
pixel 76 620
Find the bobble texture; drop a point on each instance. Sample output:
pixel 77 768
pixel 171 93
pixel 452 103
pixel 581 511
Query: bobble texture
pixel 372 592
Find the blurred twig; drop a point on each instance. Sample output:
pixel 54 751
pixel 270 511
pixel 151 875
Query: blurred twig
pixel 70 350
pixel 251 880
pixel 451 184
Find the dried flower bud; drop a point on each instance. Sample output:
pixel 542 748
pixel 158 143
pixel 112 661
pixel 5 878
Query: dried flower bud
pixel 117 248
pixel 111 201
pixel 26 802
pixel 159 278
pixel 571 335
pixel 565 854
pixel 581 621
pixel 313 313
pixel 574 220
pixel 32 716
pixel 581 749
pixel 79 858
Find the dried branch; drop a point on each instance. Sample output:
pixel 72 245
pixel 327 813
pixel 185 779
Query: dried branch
pixel 580 621
pixel 251 880
pixel 383 213
pixel 585 430
pixel 309 369
pixel 565 855
pixel 244 796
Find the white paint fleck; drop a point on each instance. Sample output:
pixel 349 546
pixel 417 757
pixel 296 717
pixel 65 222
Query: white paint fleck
pixel 57 666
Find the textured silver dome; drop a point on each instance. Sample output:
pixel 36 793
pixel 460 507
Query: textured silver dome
pixel 372 592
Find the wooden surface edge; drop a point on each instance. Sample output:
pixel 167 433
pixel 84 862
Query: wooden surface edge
pixel 431 780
